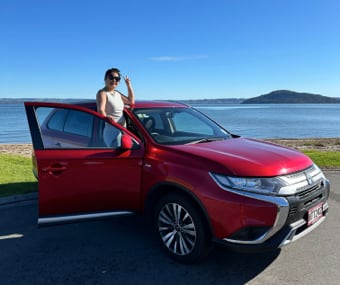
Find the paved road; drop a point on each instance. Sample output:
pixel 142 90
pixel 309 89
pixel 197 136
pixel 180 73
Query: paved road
pixel 121 251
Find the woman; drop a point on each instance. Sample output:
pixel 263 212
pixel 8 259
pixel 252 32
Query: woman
pixel 110 103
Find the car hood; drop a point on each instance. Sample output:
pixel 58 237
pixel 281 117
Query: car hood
pixel 248 157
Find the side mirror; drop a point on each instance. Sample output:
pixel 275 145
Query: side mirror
pixel 126 142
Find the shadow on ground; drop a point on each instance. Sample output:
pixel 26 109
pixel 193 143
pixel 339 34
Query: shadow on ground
pixel 11 189
pixel 116 251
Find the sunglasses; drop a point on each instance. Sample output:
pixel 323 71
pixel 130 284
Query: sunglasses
pixel 111 77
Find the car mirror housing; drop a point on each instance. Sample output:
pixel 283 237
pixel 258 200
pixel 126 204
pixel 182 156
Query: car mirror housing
pixel 126 142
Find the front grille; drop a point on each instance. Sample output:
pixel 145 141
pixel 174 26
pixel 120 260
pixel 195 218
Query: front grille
pixel 293 210
pixel 300 202
pixel 306 198
pixel 303 183
pixel 309 191
pixel 313 201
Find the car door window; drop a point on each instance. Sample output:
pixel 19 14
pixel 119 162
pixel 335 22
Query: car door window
pixel 79 123
pixel 57 121
pixel 67 128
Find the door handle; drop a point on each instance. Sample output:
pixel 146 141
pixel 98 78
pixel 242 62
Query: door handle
pixel 54 169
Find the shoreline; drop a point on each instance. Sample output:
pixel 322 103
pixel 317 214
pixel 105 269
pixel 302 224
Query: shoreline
pixel 320 144
pixel 17 149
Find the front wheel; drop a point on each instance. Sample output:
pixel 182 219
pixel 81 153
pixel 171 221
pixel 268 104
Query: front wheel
pixel 180 226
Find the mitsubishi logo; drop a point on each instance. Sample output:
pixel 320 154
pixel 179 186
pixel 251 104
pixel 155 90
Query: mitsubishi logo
pixel 309 178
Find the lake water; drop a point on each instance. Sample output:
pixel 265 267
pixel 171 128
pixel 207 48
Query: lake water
pixel 278 120
pixel 257 121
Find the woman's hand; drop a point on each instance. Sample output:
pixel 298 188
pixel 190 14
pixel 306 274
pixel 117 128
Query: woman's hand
pixel 110 117
pixel 127 81
pixel 131 93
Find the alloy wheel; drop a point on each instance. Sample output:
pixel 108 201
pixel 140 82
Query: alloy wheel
pixel 177 229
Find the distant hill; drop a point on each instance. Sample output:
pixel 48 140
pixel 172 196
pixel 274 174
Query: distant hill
pixel 290 97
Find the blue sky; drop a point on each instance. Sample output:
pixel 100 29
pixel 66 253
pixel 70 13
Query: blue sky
pixel 180 49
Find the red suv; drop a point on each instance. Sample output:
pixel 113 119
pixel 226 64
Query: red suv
pixel 198 182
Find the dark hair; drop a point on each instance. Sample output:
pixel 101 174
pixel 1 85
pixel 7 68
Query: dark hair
pixel 116 70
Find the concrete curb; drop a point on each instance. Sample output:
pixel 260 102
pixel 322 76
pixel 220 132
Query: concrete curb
pixel 19 198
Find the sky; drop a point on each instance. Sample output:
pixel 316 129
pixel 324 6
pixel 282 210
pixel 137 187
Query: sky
pixel 179 49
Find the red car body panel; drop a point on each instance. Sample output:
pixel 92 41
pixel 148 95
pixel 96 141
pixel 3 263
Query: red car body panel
pixel 245 155
pixel 104 180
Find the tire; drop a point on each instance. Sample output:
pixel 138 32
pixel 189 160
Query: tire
pixel 182 231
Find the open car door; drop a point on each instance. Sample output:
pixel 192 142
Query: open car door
pixel 80 177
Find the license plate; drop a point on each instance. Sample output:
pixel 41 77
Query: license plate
pixel 315 213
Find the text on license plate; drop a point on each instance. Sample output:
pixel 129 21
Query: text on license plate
pixel 315 213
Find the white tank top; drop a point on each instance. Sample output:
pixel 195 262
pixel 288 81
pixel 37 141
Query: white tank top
pixel 114 105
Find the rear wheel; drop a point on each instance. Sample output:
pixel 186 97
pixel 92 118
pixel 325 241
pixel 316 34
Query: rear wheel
pixel 181 229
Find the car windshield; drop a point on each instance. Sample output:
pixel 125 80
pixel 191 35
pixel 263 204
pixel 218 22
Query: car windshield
pixel 180 126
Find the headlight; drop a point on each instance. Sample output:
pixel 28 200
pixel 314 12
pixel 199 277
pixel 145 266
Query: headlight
pixel 289 184
pixel 268 186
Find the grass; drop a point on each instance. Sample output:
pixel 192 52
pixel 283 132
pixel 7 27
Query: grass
pixel 325 159
pixel 16 175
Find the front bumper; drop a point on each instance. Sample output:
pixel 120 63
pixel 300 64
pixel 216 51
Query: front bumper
pixel 291 221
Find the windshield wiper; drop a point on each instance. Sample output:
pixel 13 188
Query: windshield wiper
pixel 204 140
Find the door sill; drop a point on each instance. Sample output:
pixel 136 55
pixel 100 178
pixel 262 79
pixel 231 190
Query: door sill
pixel 46 221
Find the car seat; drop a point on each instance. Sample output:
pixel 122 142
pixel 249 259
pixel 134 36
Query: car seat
pixel 149 124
